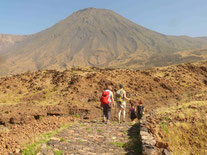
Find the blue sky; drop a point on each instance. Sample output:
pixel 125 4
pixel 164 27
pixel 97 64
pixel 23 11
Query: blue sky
pixel 172 17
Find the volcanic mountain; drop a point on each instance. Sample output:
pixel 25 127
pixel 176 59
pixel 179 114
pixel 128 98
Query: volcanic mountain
pixel 98 37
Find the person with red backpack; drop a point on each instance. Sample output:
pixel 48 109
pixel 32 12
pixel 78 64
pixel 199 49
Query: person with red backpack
pixel 107 102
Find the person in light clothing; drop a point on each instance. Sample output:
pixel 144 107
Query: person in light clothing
pixel 121 102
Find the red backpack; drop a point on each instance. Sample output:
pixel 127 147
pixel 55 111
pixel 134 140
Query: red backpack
pixel 105 97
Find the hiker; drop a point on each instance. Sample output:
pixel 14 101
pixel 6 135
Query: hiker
pixel 132 112
pixel 140 110
pixel 121 103
pixel 107 101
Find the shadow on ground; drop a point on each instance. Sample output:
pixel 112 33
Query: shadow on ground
pixel 134 146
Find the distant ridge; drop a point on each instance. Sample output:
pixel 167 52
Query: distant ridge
pixel 97 37
pixel 203 38
pixel 7 40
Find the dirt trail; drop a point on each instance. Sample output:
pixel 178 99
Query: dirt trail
pixel 95 137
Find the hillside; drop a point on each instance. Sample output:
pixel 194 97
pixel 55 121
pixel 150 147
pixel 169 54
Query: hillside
pixel 184 56
pixel 36 102
pixel 182 127
pixel 203 38
pixel 96 37
pixel 7 41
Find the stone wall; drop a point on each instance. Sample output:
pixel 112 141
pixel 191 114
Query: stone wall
pixel 149 144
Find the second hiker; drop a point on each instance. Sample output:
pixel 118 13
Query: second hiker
pixel 121 103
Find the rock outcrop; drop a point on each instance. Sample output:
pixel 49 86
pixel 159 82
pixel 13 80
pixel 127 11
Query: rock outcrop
pixel 149 144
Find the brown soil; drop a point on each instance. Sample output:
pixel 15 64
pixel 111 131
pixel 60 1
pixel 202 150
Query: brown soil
pixel 36 102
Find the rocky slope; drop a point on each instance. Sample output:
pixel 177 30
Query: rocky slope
pixel 181 127
pixel 97 37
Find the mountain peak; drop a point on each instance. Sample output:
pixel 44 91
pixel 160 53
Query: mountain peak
pixel 88 9
pixel 92 9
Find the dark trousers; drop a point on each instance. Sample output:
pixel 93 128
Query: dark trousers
pixel 140 110
pixel 107 111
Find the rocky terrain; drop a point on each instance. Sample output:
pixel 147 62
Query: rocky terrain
pixel 100 38
pixel 37 102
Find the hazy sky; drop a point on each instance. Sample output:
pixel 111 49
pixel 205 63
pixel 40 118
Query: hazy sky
pixel 173 17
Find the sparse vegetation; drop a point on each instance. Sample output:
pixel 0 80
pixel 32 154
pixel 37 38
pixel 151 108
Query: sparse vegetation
pixel 82 124
pixel 118 144
pixel 58 152
pixel 99 130
pixel 41 117
pixel 184 127
pixel 76 115
pixel 34 148
pixel 62 139
pixel 164 126
pixel 89 129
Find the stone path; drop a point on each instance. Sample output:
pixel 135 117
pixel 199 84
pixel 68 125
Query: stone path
pixel 95 138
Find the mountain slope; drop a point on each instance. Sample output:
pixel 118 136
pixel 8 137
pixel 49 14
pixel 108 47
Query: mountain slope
pixel 203 38
pixel 93 37
pixel 9 40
